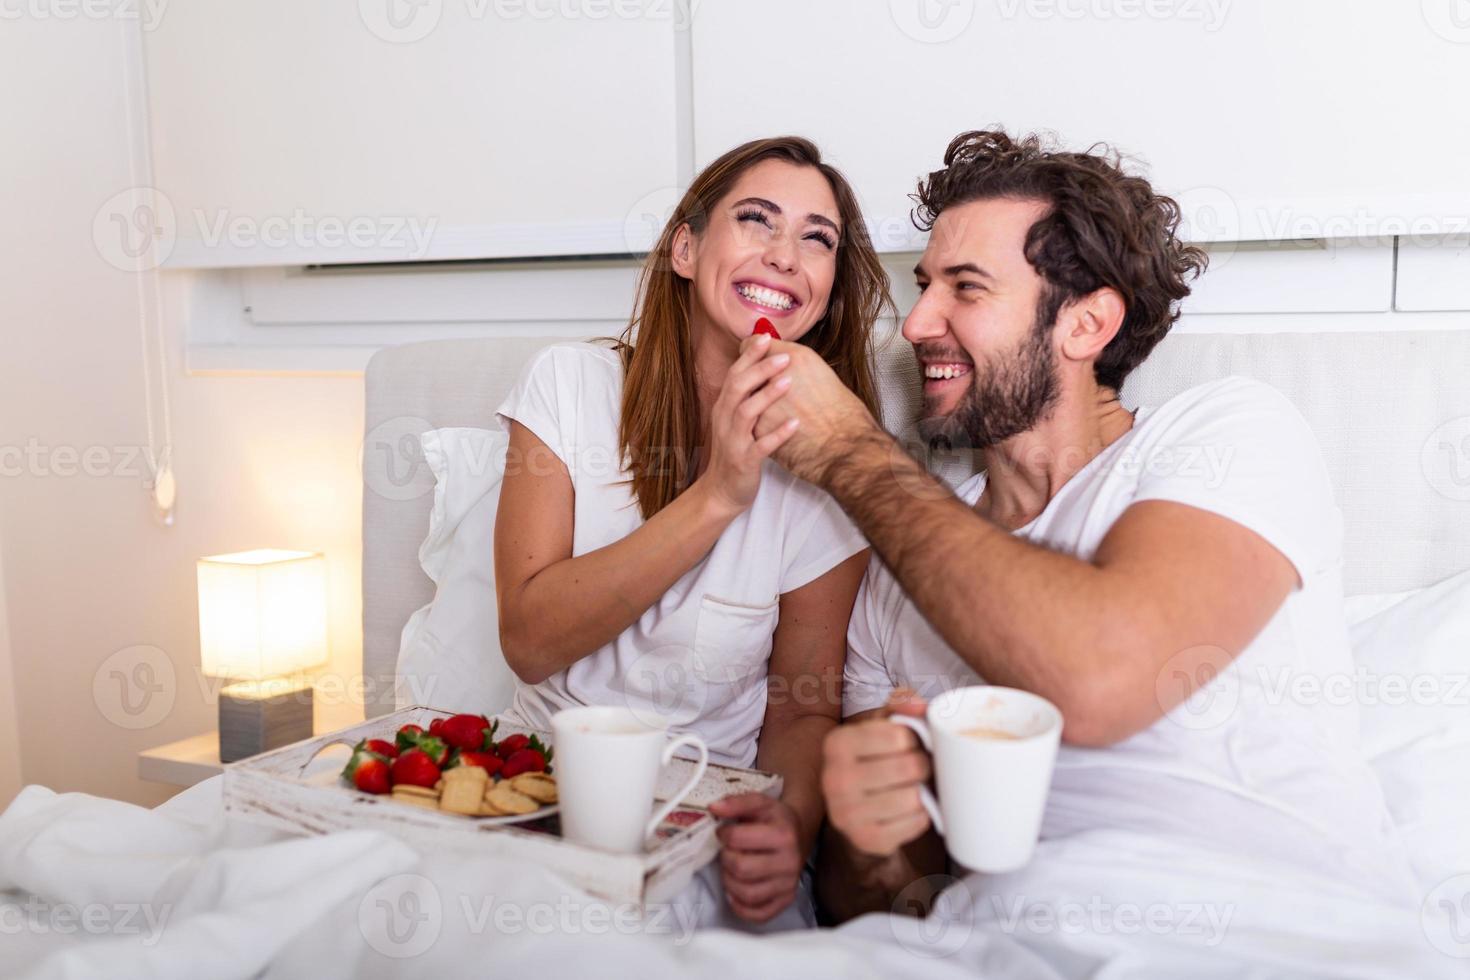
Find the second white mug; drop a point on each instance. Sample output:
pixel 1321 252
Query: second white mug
pixel 993 749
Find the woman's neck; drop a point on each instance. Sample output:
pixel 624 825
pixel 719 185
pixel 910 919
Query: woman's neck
pixel 714 351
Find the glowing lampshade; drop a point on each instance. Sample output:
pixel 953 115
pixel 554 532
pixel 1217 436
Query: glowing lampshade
pixel 262 613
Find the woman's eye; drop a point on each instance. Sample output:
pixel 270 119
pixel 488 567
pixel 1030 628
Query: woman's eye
pixel 759 216
pixel 824 238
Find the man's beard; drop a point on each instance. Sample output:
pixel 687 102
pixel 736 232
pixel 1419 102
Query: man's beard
pixel 1007 396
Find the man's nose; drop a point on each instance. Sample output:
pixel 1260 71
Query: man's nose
pixel 926 321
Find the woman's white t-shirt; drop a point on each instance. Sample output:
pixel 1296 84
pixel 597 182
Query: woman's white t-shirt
pixel 696 660
pixel 1261 761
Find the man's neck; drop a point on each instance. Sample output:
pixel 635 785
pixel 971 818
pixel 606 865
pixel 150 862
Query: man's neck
pixel 1025 472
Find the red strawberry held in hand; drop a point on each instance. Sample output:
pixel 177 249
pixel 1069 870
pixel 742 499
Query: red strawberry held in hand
pixel 468 733
pixel 414 768
pixel 764 326
pixel 383 747
pixel 488 761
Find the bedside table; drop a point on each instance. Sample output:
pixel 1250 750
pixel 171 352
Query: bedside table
pixel 182 763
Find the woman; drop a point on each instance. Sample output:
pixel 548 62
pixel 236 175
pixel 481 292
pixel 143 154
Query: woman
pixel 648 553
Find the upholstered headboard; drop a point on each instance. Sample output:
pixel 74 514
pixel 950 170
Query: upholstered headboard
pixel 1391 411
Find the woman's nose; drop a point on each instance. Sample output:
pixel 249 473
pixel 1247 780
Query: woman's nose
pixel 781 254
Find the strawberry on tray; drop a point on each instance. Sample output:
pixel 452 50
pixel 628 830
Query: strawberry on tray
pixel 457 766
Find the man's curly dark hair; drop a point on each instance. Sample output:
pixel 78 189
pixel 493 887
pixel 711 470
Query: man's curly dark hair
pixel 1102 228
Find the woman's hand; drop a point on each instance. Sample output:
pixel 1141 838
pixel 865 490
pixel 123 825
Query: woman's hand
pixel 734 473
pixel 760 856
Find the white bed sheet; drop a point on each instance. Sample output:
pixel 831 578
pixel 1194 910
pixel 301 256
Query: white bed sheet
pixel 238 901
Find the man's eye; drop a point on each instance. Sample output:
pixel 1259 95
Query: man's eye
pixel 922 286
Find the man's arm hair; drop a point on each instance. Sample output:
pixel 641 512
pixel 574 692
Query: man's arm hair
pixel 1171 587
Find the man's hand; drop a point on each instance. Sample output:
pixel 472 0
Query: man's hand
pixel 871 774
pixel 827 412
pixel 760 854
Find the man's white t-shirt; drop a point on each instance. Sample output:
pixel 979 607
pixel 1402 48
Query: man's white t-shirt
pixel 1265 759
pixel 697 659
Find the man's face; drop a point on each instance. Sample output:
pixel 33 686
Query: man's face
pixel 990 369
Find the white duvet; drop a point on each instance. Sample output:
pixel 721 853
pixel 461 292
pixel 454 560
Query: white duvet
pixel 180 891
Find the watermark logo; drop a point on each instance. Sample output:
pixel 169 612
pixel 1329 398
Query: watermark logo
pixel 1196 689
pixel 135 229
pixel 929 917
pixel 401 916
pixel 1445 916
pixel 1450 19
pixel 1445 459
pixel 392 459
pixel 400 21
pixel 666 687
pixel 35 916
pixel 135 687
pixel 1097 916
pixel 932 21
pixel 645 220
pixel 1210 217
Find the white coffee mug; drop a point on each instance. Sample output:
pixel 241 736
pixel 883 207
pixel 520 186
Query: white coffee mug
pixel 993 749
pixel 607 761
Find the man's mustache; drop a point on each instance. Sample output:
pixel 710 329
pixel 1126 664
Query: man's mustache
pixel 938 352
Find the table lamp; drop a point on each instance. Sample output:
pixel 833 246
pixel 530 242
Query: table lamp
pixel 262 623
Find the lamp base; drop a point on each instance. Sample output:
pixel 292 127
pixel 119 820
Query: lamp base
pixel 258 717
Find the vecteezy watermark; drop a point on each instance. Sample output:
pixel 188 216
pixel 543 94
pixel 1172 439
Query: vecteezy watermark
pixel 1205 921
pixel 33 916
pixel 644 222
pixel 1450 19
pixel 148 12
pixel 1445 916
pixel 404 915
pixel 930 916
pixel 138 228
pixel 409 21
pixel 45 461
pixel 1210 14
pixel 1196 689
pixel 135 687
pixel 1445 459
pixel 932 21
pixel 392 458
pixel 1362 686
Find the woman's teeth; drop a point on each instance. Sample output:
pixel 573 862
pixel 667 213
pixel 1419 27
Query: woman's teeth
pixel 939 371
pixel 766 297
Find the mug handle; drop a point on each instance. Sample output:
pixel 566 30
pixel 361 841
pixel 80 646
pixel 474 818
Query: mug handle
pixel 921 729
pixel 677 798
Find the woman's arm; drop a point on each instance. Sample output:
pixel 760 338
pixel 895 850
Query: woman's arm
pixel 766 845
pixel 556 609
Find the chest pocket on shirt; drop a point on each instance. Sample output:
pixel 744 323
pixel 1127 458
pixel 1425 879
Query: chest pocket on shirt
pixel 732 645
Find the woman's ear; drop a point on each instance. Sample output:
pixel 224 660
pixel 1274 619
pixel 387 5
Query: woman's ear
pixel 681 252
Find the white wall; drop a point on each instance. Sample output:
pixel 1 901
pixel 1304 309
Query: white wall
pixel 10 774
pixel 88 574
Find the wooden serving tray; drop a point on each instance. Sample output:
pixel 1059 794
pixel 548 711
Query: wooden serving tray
pixel 281 789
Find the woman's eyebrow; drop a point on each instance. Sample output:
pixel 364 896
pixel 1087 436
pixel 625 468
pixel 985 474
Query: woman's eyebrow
pixel 774 208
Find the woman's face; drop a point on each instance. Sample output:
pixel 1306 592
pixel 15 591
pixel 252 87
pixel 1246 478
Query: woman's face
pixel 769 250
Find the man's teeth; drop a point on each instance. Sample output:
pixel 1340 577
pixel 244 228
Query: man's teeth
pixel 938 371
pixel 766 297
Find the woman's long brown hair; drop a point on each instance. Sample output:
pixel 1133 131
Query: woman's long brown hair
pixel 659 426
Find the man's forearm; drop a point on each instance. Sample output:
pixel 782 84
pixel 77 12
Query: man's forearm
pixel 970 578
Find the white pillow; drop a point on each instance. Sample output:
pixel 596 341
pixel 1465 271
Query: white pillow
pixel 1413 655
pixel 449 654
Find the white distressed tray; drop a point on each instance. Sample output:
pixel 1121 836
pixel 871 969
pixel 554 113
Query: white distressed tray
pixel 279 789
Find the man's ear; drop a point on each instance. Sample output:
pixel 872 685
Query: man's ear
pixel 1091 322
pixel 681 252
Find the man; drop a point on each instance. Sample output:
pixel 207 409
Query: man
pixel 1113 562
